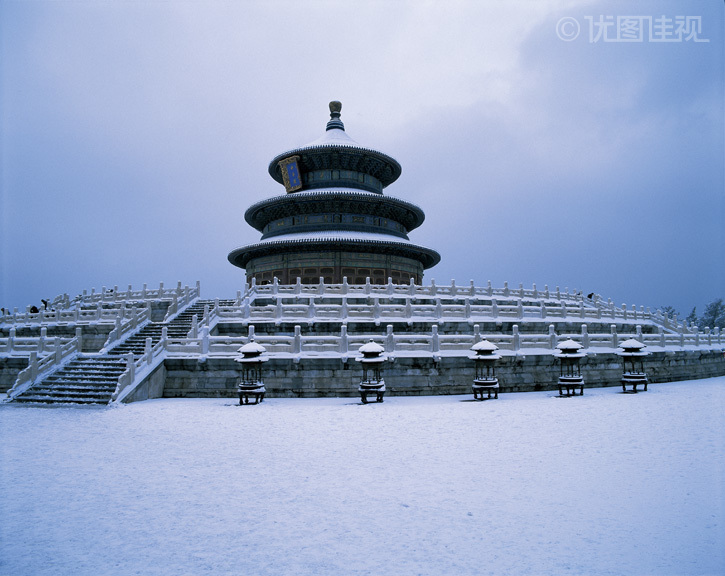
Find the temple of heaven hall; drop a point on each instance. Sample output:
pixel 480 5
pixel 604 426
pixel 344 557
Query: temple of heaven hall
pixel 334 222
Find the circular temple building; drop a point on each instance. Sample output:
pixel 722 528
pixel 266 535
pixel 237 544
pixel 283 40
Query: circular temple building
pixel 334 221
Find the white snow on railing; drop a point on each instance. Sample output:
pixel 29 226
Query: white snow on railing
pixel 137 370
pixel 39 368
pixel 422 344
pixel 102 307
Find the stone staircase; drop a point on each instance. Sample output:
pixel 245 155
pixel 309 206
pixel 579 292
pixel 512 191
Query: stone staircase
pixel 92 379
pixel 85 380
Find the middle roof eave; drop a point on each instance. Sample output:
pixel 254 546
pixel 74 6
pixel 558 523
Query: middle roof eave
pixel 260 214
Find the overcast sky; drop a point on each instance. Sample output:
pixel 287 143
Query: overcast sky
pixel 135 134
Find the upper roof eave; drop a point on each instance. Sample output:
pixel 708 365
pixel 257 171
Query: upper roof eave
pixel 313 149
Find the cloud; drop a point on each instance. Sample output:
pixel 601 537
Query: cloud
pixel 136 134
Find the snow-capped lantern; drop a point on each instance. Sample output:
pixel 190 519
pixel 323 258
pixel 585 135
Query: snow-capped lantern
pixel 485 359
pixel 633 353
pixel 372 381
pixel 570 354
pixel 251 383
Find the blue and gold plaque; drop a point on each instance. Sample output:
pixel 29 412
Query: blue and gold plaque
pixel 291 173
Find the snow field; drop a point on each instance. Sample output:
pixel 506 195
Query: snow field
pixel 607 483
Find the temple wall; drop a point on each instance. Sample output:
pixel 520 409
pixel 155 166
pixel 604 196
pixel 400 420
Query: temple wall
pixel 10 367
pixel 212 377
pixel 333 266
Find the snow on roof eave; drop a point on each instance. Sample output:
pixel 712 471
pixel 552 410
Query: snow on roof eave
pixel 331 144
pixel 332 191
pixel 334 235
pixel 343 236
pixel 333 136
pixel 337 235
pixel 333 141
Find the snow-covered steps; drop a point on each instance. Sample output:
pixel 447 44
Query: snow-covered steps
pixel 136 342
pixel 93 379
pixel 86 380
pixel 179 327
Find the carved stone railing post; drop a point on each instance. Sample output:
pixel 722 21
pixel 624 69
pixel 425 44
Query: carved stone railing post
pixel 435 344
pixel 343 309
pixel 311 310
pixel 131 367
pixel 343 340
pixel 41 341
pixel 389 340
pixel 33 363
pixel 297 343
pixel 205 340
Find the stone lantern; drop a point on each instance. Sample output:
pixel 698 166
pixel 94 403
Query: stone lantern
pixel 372 381
pixel 251 384
pixel 485 359
pixel 633 353
pixel 570 378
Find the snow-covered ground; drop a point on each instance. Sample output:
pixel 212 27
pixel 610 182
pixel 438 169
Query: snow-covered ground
pixel 606 483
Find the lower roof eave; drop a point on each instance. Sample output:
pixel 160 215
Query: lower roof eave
pixel 426 256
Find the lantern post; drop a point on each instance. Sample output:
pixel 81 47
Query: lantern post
pixel 633 353
pixel 570 378
pixel 372 381
pixel 251 383
pixel 485 359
